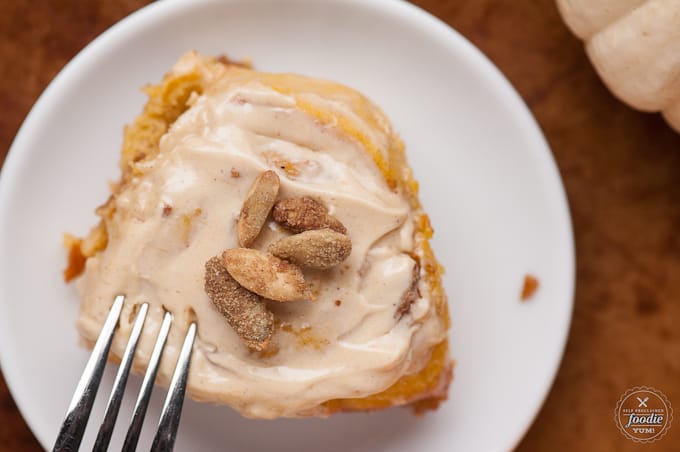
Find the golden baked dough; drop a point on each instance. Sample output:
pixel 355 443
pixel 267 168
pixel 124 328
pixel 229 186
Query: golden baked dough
pixel 176 93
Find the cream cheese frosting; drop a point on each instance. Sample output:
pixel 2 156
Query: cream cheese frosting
pixel 180 209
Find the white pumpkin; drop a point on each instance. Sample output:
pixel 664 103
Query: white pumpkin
pixel 635 47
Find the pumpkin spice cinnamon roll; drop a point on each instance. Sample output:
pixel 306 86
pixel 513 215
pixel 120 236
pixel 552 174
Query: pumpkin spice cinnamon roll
pixel 279 213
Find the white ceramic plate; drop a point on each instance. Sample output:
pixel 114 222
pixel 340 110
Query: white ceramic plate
pixel 487 177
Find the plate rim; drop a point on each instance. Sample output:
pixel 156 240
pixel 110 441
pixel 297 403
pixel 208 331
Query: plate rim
pixel 407 11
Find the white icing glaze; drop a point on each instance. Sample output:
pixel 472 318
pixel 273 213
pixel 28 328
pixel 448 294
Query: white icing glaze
pixel 182 210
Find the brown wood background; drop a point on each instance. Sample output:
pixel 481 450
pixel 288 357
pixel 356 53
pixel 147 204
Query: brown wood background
pixel 621 169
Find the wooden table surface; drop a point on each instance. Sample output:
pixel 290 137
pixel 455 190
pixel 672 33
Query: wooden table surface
pixel 621 169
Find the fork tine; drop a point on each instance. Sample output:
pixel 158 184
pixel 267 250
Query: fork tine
pixel 101 444
pixel 71 433
pixel 172 408
pixel 132 436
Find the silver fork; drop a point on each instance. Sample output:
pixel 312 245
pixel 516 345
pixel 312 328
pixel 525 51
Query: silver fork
pixel 73 428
